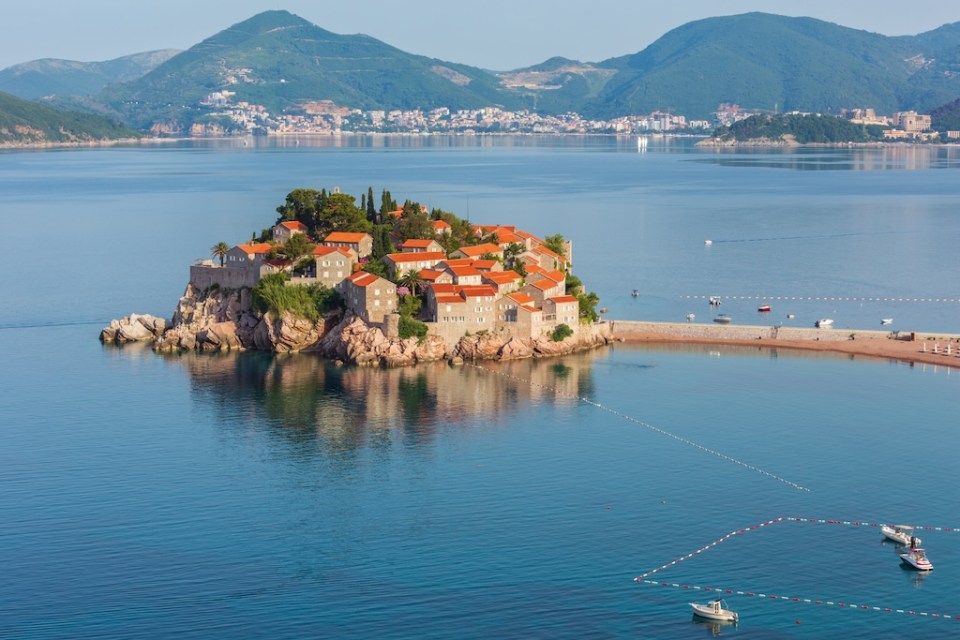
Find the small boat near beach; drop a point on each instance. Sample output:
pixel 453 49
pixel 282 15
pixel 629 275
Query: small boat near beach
pixel 886 320
pixel 824 323
pixel 714 610
pixel 715 301
pixel 764 308
pixel 917 558
pixel 635 293
pixel 691 317
pixel 901 534
pixel 723 319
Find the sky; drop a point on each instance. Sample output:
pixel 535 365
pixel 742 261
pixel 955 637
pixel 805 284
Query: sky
pixel 492 34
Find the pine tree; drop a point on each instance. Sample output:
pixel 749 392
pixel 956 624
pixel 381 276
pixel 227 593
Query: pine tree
pixel 371 210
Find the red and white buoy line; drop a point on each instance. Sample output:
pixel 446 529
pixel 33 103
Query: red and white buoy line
pixel 651 427
pixel 644 578
pixel 821 298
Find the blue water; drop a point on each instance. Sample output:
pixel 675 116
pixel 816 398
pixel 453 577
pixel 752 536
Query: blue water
pixel 252 496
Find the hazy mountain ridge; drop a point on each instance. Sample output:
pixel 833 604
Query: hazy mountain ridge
pixel 53 76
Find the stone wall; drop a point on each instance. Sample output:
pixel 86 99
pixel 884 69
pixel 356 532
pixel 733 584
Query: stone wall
pixel 740 332
pixel 203 276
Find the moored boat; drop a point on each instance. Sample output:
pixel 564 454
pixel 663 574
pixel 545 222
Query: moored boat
pixel 901 534
pixel 715 301
pixel 714 610
pixel 723 319
pixel 917 558
pixel 824 323
pixel 886 320
pixel 764 308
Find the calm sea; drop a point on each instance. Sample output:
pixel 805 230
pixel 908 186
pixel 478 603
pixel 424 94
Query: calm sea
pixel 146 496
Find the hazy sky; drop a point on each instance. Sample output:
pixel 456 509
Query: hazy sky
pixel 493 34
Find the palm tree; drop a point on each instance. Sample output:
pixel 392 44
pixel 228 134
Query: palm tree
pixel 220 250
pixel 412 280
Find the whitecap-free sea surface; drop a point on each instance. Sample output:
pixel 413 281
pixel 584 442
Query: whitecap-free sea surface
pixel 232 496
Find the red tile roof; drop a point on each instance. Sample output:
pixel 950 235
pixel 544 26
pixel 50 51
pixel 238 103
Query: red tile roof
pixel 294 225
pixel 562 299
pixel 440 224
pixel 521 298
pixel 502 277
pixel 485 265
pixel 464 271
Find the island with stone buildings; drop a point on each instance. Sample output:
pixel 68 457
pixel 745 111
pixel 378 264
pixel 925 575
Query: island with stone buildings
pixel 392 286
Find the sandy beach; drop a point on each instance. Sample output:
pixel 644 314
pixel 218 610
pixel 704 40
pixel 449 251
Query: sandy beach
pixel 929 348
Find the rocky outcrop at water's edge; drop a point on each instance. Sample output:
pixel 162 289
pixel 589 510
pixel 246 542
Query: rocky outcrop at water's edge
pixel 225 320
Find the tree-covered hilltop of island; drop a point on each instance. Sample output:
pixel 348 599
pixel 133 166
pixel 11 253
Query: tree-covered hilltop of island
pixel 792 128
pixel 25 122
pixel 318 216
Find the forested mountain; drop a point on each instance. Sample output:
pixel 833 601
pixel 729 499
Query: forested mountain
pixel 280 60
pixel 25 122
pixel 776 63
pixel 760 61
pixel 51 76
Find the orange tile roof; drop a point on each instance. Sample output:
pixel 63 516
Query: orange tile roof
pixel 424 256
pixel 481 249
pixel 440 224
pixel 502 277
pixel 256 247
pixel 529 236
pixel 530 308
pixel 324 250
pixel 450 299
pixel 543 285
pixel 477 291
pixel 364 278
pixel 294 225
pixel 417 243
pixel 561 299
pixel 443 287
pixel 463 271
pixel 429 275
pixel 456 262
pixel 345 236
pixel 520 297
pixel 508 237
pixel 535 268
pixel 485 265
pixel 556 276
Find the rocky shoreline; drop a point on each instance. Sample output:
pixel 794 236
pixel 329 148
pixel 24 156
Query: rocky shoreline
pixel 224 320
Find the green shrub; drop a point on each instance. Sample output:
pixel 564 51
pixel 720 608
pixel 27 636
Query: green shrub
pixel 273 294
pixel 410 327
pixel 561 332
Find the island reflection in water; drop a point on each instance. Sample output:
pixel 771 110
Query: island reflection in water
pixel 877 158
pixel 320 408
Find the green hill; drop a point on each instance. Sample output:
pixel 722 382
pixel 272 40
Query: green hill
pixel 25 122
pixel 770 62
pixel 279 60
pixel 51 76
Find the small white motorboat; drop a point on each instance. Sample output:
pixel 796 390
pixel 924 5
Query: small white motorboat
pixel 714 610
pixel 723 319
pixel 708 242
pixel 691 317
pixel 824 323
pixel 886 320
pixel 917 558
pixel 715 301
pixel 901 534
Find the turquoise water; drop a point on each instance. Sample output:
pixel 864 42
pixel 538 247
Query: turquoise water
pixel 252 496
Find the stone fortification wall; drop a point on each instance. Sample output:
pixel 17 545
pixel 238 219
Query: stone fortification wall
pixel 691 330
pixel 204 276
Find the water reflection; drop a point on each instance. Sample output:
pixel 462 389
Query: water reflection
pixel 306 401
pixel 833 159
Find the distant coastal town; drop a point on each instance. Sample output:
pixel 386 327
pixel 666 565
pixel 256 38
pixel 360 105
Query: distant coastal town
pixel 226 117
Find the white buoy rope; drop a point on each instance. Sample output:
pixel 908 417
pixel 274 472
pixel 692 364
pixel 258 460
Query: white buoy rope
pixel 644 578
pixel 651 427
pixel 824 298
